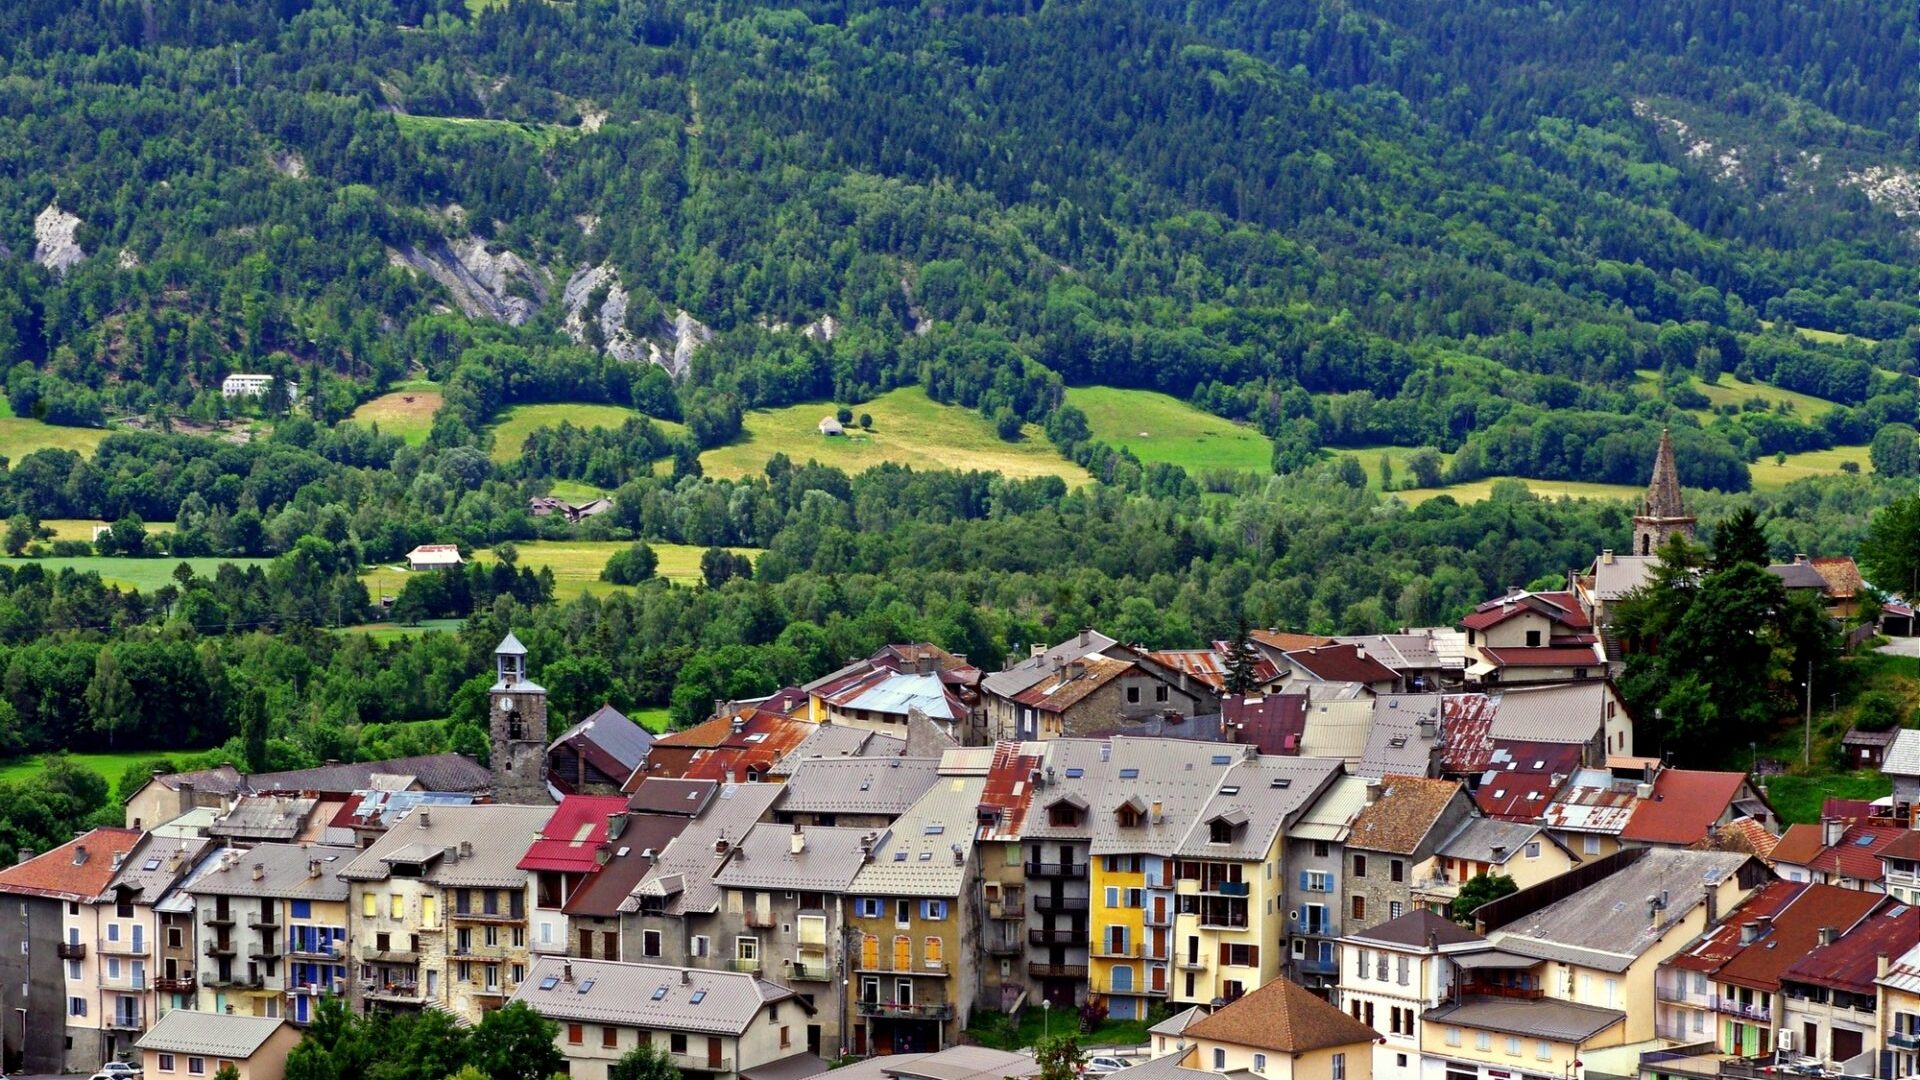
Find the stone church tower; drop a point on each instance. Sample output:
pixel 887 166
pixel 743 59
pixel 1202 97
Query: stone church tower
pixel 1663 513
pixel 517 715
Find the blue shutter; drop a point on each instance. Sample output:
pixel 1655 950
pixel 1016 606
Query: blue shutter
pixel 1304 887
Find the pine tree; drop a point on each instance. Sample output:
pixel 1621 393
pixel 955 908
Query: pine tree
pixel 1240 661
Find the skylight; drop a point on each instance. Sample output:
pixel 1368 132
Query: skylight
pixel 757 737
pixel 925 855
pixel 900 856
pixel 1864 841
pixel 152 863
pixel 1129 774
pixel 698 997
pixel 1229 790
pixel 549 982
pixel 1076 773
pixel 586 986
pixel 1282 782
pixel 1222 759
pixel 660 993
pixel 936 830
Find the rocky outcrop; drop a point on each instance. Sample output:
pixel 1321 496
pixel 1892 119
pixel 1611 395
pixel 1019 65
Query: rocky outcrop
pixel 1889 187
pixel 825 328
pixel 687 334
pixel 921 324
pixel 485 284
pixel 288 163
pixel 127 260
pixel 54 243
pixel 610 318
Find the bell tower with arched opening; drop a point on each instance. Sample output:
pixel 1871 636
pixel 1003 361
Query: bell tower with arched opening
pixel 517 721
pixel 1663 513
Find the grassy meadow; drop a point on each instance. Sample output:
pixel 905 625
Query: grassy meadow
pixel 1770 476
pixel 1477 490
pixel 108 766
pixel 146 574
pixel 405 410
pixel 576 566
pixel 510 431
pixel 909 428
pixel 1159 428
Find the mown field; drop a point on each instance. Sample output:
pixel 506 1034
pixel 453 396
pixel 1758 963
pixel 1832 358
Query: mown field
pixel 406 410
pixel 1369 459
pixel 145 575
pixel 82 528
pixel 109 765
pixel 20 436
pixel 654 718
pixel 1476 490
pixel 576 565
pixel 1732 391
pixel 1159 428
pixel 510 431
pixel 909 428
pixel 1769 475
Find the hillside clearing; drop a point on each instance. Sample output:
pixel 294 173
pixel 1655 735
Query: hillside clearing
pixel 145 575
pixel 1477 490
pixel 107 766
pixel 82 528
pixel 1158 428
pixel 576 565
pixel 1769 476
pixel 514 424
pixel 909 429
pixel 406 410
pixel 1736 392
pixel 20 437
pixel 1369 458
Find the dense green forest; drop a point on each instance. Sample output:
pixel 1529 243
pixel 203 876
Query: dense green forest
pixel 1529 237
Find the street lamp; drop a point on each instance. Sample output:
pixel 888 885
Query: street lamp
pixel 1046 1019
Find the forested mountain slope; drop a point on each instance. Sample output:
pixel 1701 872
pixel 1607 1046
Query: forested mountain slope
pixel 1464 226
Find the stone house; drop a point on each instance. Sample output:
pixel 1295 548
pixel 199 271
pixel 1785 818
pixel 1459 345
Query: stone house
pixel 1406 818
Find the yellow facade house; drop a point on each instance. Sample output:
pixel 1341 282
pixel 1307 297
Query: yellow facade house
pixel 190 1043
pixel 1280 1031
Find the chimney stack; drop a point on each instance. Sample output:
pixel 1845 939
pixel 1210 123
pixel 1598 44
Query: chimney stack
pixel 799 840
pixel 566 972
pixel 1831 830
pixel 466 849
pixel 1826 935
pixel 616 824
pixel 313 868
pixel 1086 635
pixel 185 789
pixel 24 855
pixel 1373 792
pixel 1606 557
pixel 426 818
pixel 259 871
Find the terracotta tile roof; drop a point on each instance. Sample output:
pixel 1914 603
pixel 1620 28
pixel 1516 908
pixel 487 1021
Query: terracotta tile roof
pixel 1905 846
pixel 76 870
pixel 1841 573
pixel 713 748
pixel 570 840
pixel 1857 853
pixel 1542 656
pixel 1742 834
pixel 1282 1016
pixel 1286 641
pixel 1402 816
pixel 1850 963
pixel 1799 845
pixel 1686 804
pixel 1063 689
pixel 1342 663
pixel 1274 723
pixel 1521 778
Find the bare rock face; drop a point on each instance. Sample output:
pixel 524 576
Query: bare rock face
pixel 127 260
pixel 825 328
pixel 611 317
pixel 486 284
pixel 689 334
pixel 288 163
pixel 1888 186
pixel 54 243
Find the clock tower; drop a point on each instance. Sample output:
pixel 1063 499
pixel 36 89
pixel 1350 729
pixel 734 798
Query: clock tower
pixel 517 721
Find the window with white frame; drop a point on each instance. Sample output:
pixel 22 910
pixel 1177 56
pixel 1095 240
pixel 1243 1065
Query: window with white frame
pixel 164 1062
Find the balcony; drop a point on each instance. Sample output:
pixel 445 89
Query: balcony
pixel 1904 1040
pixel 217 919
pixel 1106 950
pixel 1059 905
pixel 314 989
pixel 749 965
pixel 125 1021
pixel 1132 989
pixel 478 952
pixel 1007 909
pixel 488 916
pixel 391 991
pixel 1192 963
pixel 1516 993
pixel 811 971
pixel 376 955
pixel 264 950
pixel 1313 965
pixel 315 950
pixel 1679 995
pixel 179 984
pixel 1743 1010
pixel 1226 888
pixel 1003 947
pixel 1163 917
pixel 1055 869
pixel 700 1063
pixel 1223 922
pixel 70 950
pixel 759 920
pixel 267 922
pixel 125 947
pixel 220 948
pixel 1057 937
pixel 1056 971
pixel 1324 928
pixel 898 1010
pixel 126 980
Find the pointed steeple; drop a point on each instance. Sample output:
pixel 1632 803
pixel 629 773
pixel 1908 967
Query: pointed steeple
pixel 1664 512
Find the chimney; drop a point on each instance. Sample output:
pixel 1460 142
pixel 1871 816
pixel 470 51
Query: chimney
pixel 1499 852
pixel 1750 932
pixel 603 854
pixel 1826 935
pixel 24 855
pixel 466 849
pixel 686 977
pixel 799 840
pixel 616 824
pixel 1086 635
pixel 1831 830
pixel 1059 662
pixel 1800 560
pixel 1157 817
pixel 1643 791
pixel 426 818
pixel 1713 908
pixel 1880 965
pixel 721 845
pixel 1373 792
pixel 1427 727
pixel 739 724
pixel 185 788
pixel 313 868
pixel 79 854
pixel 1606 557
pixel 719 706
pixel 259 871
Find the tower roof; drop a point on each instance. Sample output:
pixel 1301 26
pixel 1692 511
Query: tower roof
pixel 1663 491
pixel 510 646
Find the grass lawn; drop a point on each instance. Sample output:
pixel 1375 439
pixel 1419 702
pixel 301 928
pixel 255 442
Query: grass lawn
pixel 109 766
pixel 515 424
pixel 1768 476
pixel 1369 458
pixel 388 631
pixel 1798 798
pixel 576 566
pixel 992 1029
pixel 1158 428
pixel 1476 490
pixel 653 718
pixel 406 410
pixel 145 575
pixel 20 437
pixel 1732 391
pixel 82 528
pixel 909 428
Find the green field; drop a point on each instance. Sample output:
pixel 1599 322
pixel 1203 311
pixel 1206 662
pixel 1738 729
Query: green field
pixel 1369 458
pixel 82 528
pixel 406 410
pixel 19 437
pixel 1476 490
pixel 576 565
pixel 1158 428
pixel 1768 476
pixel 1732 391
pixel 1825 336
pixel 575 492
pixel 510 431
pixel 388 631
pixel 653 718
pixel 909 428
pixel 145 575
pixel 109 766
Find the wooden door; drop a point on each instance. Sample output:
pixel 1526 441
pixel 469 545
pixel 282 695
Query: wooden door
pixel 713 1052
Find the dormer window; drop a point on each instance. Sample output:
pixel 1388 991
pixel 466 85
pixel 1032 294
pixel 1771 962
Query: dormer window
pixel 1063 816
pixel 1129 817
pixel 1219 832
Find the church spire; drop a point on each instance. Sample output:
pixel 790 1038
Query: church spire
pixel 1664 512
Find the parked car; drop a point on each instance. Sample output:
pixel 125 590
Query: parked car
pixel 1101 1065
pixel 118 1070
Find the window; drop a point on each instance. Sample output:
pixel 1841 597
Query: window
pixel 370 905
pixel 77 1006
pixel 1590 845
pixel 786 1037
pixel 702 945
pixel 1359 963
pixel 867 907
pixel 1359 866
pixel 1482 1041
pixel 1396 870
pixel 430 910
pixel 1316 881
pixel 1259 1063
pixel 1219 1059
pixel 610 1038
pixel 1160 692
pixel 1543 1049
pixel 197 1066
pixel 902 912
pixel 933 910
pixel 1400 975
pixel 1133 695
pixel 576 1034
pixel 1394 909
pixel 1359 907
pixel 1219 832
pixel 649 943
pixel 1239 955
pixel 677 1042
pixel 746 948
pixel 176 938
pixel 302 909
pixel 165 1062
pixel 397 906
pixel 1453 1036
pixel 1339 1067
pixel 1513 1046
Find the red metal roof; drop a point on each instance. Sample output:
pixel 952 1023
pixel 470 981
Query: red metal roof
pixel 1210 665
pixel 1274 723
pixel 1560 607
pixel 569 842
pixel 1466 732
pixel 1850 963
pixel 1009 792
pixel 1799 845
pixel 1542 656
pixel 1685 806
pixel 1342 663
pixel 76 870
pixel 1722 943
pixel 1523 777
pixel 1857 853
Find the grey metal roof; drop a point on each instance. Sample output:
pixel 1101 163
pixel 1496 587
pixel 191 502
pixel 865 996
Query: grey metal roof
pixel 264 817
pixel 612 731
pixel 193 823
pixel 1177 1023
pixel 1556 713
pixel 431 772
pixel 155 865
pixel 606 992
pixel 1179 776
pixel 511 646
pixel 1073 769
pixel 1029 672
pixel 285 871
pixel 1606 925
pixel 1338 719
pixel 1903 757
pixel 480 846
pixel 765 859
pixel 1257 798
pixel 1394 743
pixel 1798 575
pixel 793 1067
pixel 858 785
pixel 926 851
pixel 1562 1021
pixel 1434 648
pixel 1166 1067
pixel 683 870
pixel 900 693
pixel 1330 817
pixel 1479 836
pixel 209 1034
pixel 953 1063
pixel 837 741
pixel 1615 579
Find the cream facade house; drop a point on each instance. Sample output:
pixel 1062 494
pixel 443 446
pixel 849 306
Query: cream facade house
pixel 188 1044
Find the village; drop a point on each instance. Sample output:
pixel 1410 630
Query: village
pixel 1437 854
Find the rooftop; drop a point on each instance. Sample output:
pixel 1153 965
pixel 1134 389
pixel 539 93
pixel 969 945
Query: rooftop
pixel 280 871
pixel 858 785
pixel 1060 690
pixel 1608 925
pixel 77 870
pixel 1397 742
pixel 765 858
pixel 210 1034
pixel 1406 810
pixel 476 846
pixel 1274 722
pixel 570 840
pixel 609 741
pixel 649 996
pixel 1492 841
pixel 682 875
pixel 1282 1016
pixel 1419 929
pixel 925 853
pixel 1341 663
pixel 1521 778
pixel 1561 1021
pixel 1851 962
pixel 1685 806
pixel 1029 672
pixel 429 772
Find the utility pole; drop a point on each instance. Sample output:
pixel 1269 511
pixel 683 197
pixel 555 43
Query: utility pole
pixel 1806 754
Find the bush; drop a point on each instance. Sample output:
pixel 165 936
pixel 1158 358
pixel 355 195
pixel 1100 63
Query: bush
pixel 843 414
pixel 630 566
pixel 1006 423
pixel 1877 710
